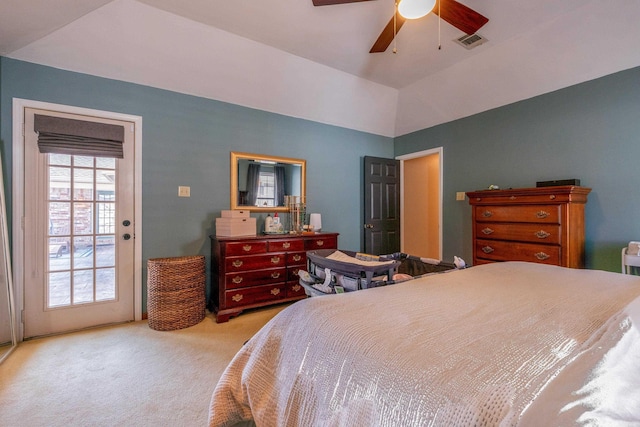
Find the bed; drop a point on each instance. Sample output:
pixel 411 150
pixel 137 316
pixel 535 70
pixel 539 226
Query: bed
pixel 499 344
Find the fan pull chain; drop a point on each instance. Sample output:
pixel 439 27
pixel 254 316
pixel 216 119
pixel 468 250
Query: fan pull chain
pixel 395 32
pixel 439 32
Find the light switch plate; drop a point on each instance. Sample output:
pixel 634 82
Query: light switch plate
pixel 460 195
pixel 184 191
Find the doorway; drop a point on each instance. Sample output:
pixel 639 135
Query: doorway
pixel 77 256
pixel 421 203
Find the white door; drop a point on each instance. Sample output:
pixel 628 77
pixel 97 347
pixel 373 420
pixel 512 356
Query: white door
pixel 78 235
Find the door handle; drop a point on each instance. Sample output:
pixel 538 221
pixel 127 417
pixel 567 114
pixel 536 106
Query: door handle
pixel 368 226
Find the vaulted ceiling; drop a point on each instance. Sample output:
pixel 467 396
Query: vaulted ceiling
pixel 289 57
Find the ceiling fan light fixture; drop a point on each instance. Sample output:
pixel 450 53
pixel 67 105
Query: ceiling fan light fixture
pixel 414 9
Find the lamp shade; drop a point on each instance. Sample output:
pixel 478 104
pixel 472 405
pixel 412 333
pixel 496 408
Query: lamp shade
pixel 414 9
pixel 315 220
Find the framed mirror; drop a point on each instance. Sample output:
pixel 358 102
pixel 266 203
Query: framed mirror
pixel 259 183
pixel 7 307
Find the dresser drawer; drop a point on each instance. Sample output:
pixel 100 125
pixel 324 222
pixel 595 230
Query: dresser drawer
pixel 296 258
pixel 293 275
pixel 295 289
pixel 246 248
pixel 496 250
pixel 549 214
pixel 285 245
pixel 255 294
pixel 535 233
pixel 257 277
pixel 255 262
pixel 321 243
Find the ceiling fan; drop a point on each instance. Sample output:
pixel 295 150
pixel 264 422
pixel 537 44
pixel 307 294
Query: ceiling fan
pixel 460 16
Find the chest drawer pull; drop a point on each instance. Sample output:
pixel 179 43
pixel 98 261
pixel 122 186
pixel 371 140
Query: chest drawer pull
pixel 297 257
pixel 246 248
pixel 487 231
pixel 487 214
pixel 295 271
pixel 541 234
pixel 319 242
pixel 286 245
pixel 542 214
pixel 237 263
pixel 275 291
pixel 237 279
pixel 275 275
pixel 275 260
pixel 542 256
pixel 237 297
pixel 487 249
pixel 295 288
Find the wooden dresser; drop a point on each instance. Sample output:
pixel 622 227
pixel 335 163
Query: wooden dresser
pixel 250 272
pixel 544 225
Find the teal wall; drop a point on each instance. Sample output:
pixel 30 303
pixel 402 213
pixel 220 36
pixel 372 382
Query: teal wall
pixel 589 131
pixel 187 140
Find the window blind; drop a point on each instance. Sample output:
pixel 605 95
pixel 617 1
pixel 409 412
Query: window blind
pixel 78 137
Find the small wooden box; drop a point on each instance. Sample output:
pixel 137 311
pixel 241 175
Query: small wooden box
pixel 235 214
pixel 234 227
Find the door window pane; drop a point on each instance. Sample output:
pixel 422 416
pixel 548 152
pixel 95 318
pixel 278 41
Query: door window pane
pixel 82 227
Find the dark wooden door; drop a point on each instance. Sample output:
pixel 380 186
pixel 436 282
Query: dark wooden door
pixel 382 205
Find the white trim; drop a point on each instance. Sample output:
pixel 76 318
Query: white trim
pixel 19 106
pixel 402 158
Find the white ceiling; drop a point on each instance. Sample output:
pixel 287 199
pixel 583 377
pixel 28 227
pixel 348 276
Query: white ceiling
pixel 292 58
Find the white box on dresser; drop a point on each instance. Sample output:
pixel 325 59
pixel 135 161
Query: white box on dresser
pixel 235 214
pixel 235 227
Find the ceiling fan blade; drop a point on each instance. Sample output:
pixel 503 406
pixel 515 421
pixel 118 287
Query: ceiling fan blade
pixel 460 16
pixel 328 2
pixel 386 36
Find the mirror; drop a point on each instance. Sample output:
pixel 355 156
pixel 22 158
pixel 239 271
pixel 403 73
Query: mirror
pixel 7 307
pixel 272 177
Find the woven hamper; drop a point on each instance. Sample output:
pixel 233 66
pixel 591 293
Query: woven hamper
pixel 175 292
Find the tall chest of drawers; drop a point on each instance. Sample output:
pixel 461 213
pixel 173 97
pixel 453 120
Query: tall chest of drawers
pixel 544 225
pixel 250 272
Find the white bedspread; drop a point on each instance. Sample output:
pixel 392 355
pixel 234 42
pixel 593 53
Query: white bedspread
pixel 494 345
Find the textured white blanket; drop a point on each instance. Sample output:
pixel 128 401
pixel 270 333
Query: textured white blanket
pixel 499 344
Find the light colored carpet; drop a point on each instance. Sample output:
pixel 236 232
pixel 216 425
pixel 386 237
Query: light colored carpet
pixel 125 375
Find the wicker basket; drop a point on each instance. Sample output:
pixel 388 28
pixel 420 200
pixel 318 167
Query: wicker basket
pixel 175 292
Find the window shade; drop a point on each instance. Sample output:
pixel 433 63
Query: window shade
pixel 78 137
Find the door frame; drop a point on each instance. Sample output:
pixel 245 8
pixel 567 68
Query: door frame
pixel 402 158
pixel 18 191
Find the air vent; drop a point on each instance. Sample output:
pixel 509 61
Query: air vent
pixel 470 41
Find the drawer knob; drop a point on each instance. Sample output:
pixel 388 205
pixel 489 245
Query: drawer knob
pixel 487 214
pixel 296 288
pixel 487 231
pixel 286 245
pixel 237 279
pixel 275 260
pixel 319 242
pixel 237 297
pixel 552 197
pixel 542 256
pixel 297 257
pixel 275 291
pixel 487 249
pixel 541 234
pixel 275 275
pixel 295 271
pixel 246 248
pixel 542 214
pixel 237 263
